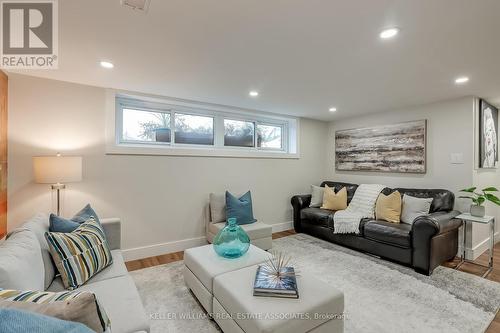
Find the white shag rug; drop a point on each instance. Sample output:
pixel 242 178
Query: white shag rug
pixel 380 296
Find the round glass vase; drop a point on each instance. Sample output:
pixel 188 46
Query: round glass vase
pixel 231 241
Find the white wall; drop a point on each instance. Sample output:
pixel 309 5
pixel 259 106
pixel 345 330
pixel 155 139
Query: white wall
pixel 159 198
pixel 450 129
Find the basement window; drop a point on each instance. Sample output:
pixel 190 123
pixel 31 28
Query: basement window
pixel 159 127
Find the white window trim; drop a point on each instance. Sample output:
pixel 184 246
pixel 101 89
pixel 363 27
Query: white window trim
pixel 114 145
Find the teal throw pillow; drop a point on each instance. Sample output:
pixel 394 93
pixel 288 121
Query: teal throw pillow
pixel 240 208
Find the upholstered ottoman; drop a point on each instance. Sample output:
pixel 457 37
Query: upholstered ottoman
pixel 319 308
pixel 203 265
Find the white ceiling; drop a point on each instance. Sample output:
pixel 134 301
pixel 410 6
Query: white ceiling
pixel 303 56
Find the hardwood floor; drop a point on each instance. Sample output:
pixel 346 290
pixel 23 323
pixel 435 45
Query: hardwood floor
pixel 466 267
pixel 171 257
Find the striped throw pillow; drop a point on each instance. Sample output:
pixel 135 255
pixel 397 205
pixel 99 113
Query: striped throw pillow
pixel 80 254
pixel 82 307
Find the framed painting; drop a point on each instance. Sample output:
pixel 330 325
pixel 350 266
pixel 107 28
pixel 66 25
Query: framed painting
pixel 488 135
pixel 397 147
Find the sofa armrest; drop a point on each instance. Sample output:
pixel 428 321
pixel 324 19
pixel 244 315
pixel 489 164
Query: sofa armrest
pixel 298 203
pixel 428 254
pixel 113 232
pixel 436 223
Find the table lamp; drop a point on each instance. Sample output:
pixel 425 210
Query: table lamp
pixel 57 170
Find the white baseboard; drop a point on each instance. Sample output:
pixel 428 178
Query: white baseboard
pixel 162 248
pixel 479 249
pixel 181 245
pixel 282 226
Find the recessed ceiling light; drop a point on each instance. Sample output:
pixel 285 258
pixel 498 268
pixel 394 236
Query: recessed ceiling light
pixel 462 80
pixel 332 109
pixel 107 64
pixel 253 93
pixel 389 33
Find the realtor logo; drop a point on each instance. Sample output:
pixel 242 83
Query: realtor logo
pixel 29 36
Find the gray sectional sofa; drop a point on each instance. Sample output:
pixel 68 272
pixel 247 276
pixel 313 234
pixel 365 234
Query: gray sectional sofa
pixel 113 286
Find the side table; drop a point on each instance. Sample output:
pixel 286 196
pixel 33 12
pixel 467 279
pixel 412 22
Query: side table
pixel 467 218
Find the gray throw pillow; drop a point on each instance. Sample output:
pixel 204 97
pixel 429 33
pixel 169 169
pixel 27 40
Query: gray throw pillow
pixel 39 224
pixel 414 207
pixel 21 263
pixel 217 207
pixel 316 196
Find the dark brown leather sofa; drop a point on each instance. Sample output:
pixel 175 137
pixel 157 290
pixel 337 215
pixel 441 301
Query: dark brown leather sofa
pixel 424 245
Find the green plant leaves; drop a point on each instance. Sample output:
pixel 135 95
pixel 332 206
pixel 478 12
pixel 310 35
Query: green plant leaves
pixel 492 198
pixel 469 190
pixel 490 189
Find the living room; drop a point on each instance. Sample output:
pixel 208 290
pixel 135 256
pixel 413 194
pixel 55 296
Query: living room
pixel 158 123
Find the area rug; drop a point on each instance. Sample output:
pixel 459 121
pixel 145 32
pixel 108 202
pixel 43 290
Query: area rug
pixel 379 296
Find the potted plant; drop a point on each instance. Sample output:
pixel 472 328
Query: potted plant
pixel 478 199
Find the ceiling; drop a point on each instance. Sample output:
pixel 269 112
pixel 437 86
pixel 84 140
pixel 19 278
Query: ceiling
pixel 302 56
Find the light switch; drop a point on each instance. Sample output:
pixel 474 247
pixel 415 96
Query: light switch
pixel 457 158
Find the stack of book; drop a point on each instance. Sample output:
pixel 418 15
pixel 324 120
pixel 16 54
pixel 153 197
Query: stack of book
pixel 269 284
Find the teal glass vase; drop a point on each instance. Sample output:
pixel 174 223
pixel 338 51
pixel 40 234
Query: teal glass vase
pixel 232 241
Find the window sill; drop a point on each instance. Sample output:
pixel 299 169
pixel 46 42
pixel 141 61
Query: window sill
pixel 130 149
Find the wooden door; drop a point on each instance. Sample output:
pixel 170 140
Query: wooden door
pixel 3 153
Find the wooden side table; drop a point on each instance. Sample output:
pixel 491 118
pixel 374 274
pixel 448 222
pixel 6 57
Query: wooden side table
pixel 467 218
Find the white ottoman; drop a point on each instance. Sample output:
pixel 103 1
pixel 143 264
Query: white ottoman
pixel 319 308
pixel 203 265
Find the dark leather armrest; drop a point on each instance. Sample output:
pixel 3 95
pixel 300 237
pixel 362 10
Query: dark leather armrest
pixel 298 203
pixel 431 240
pixel 436 223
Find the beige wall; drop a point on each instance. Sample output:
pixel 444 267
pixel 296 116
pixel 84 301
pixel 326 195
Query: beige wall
pixel 159 198
pixel 450 129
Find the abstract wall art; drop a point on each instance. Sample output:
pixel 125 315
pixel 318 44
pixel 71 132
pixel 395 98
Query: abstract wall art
pixel 397 147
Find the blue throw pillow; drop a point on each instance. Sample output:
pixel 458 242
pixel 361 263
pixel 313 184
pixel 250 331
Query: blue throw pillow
pixel 14 321
pixel 240 208
pixel 60 224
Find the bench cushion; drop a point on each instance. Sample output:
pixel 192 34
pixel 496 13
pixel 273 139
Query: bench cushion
pixel 233 291
pixel 205 264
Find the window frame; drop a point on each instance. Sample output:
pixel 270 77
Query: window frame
pixel 118 145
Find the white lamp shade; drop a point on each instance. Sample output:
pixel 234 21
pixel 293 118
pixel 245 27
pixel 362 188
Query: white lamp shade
pixel 57 169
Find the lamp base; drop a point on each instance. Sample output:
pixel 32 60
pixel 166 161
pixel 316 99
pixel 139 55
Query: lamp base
pixel 58 187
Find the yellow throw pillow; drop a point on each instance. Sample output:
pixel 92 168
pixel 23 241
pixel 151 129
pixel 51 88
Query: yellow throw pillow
pixel 388 207
pixel 334 201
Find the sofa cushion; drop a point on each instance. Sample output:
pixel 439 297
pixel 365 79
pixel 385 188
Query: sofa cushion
pixel 397 234
pixel 80 254
pixel 254 230
pixel 123 305
pixel 82 307
pixel 316 216
pixel 117 269
pixel 39 224
pixel 21 263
